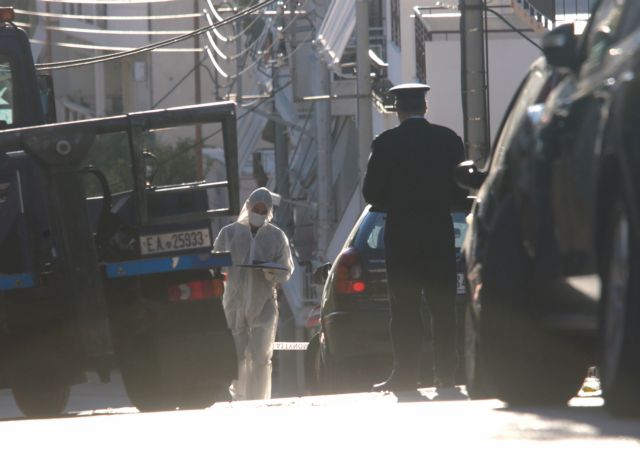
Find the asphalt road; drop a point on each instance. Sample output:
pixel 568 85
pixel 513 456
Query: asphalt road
pixel 102 422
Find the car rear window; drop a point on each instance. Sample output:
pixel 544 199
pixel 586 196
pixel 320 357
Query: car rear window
pixel 459 228
pixel 371 231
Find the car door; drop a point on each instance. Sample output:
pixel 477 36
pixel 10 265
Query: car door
pixel 579 113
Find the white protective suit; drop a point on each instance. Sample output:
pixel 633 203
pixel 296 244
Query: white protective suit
pixel 250 294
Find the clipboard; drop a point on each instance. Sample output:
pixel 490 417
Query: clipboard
pixel 264 266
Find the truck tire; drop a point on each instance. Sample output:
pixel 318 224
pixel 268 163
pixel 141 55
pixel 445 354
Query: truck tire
pixel 620 314
pixel 152 383
pixel 39 398
pixel 509 354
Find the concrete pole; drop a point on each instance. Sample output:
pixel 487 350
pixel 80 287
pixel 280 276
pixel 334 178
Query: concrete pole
pixel 281 150
pixel 322 115
pixel 364 119
pixel 474 79
pixel 197 93
pixel 99 89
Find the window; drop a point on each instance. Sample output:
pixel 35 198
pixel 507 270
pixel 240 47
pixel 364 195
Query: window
pixel 370 231
pixel 395 22
pixel 6 93
pixel 459 228
pixel 375 240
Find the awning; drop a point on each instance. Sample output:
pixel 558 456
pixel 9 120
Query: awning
pixel 335 31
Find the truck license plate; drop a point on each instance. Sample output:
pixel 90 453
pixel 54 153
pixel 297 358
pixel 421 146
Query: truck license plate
pixel 174 241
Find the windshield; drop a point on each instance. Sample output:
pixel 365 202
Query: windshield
pixel 6 93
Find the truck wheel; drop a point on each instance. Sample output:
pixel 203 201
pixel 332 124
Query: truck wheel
pixel 152 386
pixel 141 374
pixel 509 353
pixel 620 318
pixel 41 398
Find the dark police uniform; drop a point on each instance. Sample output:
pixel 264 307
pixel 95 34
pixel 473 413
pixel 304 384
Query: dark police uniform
pixel 410 177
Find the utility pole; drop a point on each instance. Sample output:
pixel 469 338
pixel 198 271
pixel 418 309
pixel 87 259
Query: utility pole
pixel 281 151
pixel 364 119
pixel 281 142
pixel 322 114
pixel 474 78
pixel 197 94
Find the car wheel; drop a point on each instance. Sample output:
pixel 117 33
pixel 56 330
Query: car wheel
pixel 509 354
pixel 41 397
pixel 474 359
pixel 620 317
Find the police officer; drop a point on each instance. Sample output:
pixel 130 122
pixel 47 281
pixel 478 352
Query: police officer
pixel 410 177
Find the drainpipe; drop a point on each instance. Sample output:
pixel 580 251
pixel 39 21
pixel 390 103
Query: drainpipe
pixel 474 79
pixel 364 121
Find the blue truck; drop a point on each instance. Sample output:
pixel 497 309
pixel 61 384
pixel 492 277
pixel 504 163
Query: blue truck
pixel 103 268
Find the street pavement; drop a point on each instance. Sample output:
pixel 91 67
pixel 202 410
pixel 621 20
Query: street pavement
pixel 101 422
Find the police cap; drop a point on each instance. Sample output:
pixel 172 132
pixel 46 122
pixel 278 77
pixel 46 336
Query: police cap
pixel 410 96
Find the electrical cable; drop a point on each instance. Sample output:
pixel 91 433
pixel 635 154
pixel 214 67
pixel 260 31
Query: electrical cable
pixel 307 39
pixel 180 81
pixel 247 48
pixel 107 2
pixel 513 27
pixel 239 34
pixel 178 154
pixel 118 55
pixel 106 18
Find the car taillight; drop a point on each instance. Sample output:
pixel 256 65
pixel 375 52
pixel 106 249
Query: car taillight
pixel 196 290
pixel 313 320
pixel 349 278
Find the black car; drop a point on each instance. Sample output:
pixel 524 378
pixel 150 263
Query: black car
pixel 352 348
pixel 553 249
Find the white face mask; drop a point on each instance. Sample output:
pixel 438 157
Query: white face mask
pixel 256 219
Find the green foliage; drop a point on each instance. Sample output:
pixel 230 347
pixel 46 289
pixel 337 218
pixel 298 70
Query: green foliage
pixel 110 154
pixel 176 163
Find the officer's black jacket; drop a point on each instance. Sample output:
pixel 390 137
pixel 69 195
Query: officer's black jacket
pixel 411 170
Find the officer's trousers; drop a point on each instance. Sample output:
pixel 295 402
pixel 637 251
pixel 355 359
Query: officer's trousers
pixel 420 259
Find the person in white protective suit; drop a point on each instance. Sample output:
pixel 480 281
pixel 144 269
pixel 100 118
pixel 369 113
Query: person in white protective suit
pixel 250 294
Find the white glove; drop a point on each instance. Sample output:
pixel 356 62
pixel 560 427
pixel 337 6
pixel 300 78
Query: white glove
pixel 270 274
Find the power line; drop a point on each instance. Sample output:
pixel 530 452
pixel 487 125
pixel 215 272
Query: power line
pixel 201 143
pixel 106 18
pixel 273 46
pixel 95 47
pixel 107 2
pixel 119 55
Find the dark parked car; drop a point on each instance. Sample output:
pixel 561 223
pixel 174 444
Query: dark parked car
pixel 352 349
pixel 553 249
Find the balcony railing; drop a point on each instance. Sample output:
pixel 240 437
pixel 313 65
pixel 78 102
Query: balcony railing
pixel 548 13
pixel 542 12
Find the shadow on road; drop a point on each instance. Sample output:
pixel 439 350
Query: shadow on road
pixel 581 420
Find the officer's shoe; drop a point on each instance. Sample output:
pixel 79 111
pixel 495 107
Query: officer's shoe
pixel 395 384
pixel 441 382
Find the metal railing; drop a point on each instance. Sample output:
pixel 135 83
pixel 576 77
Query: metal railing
pixel 570 7
pixel 537 14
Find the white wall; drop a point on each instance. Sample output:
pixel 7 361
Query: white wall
pixel 401 60
pixel 509 59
